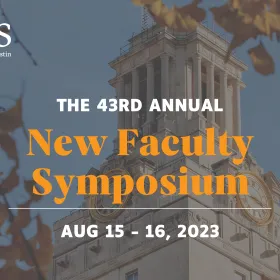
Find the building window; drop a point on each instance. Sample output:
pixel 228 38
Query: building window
pixel 133 275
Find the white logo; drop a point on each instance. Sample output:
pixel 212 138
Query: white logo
pixel 4 29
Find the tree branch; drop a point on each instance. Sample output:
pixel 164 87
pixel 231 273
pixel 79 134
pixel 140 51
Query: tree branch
pixel 17 40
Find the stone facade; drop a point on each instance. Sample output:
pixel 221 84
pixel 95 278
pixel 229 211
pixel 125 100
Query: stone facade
pixel 186 63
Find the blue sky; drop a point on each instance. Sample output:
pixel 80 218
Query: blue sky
pixel 73 42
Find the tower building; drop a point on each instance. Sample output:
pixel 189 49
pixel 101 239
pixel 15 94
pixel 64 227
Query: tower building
pixel 160 63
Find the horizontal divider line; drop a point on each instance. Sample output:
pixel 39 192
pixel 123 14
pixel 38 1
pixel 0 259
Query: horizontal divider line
pixel 170 208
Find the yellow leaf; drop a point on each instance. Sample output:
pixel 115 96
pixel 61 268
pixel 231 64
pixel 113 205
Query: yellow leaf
pixel 144 2
pixel 236 23
pixel 262 60
pixel 250 7
pixel 275 9
pixel 170 17
pixel 158 8
pixel 159 12
pixel 262 24
pixel 273 20
pixel 180 19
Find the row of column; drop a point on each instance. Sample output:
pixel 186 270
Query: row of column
pixel 195 67
pixel 235 118
pixel 150 89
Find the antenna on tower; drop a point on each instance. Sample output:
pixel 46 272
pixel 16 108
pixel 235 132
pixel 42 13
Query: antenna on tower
pixel 146 19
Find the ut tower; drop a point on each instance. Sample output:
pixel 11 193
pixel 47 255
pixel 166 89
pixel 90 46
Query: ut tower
pixel 159 63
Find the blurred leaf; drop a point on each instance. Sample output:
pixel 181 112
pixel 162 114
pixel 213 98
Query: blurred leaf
pixel 262 60
pixel 7 143
pixel 11 119
pixel 12 272
pixel 3 213
pixel 38 251
pixel 180 19
pixel 250 7
pixel 273 20
pixel 9 253
pixel 244 19
pixel 28 185
pixel 192 10
pixel 22 219
pixel 274 6
pixel 42 246
pixel 144 2
pixel 10 182
pixel 235 23
pixel 158 11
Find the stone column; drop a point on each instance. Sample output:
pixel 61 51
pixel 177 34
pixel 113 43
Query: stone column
pixel 236 106
pixel 128 92
pixel 150 90
pixel 211 92
pixel 224 103
pixel 120 94
pixel 197 74
pixel 164 76
pixel 172 75
pixel 135 95
pixel 189 85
